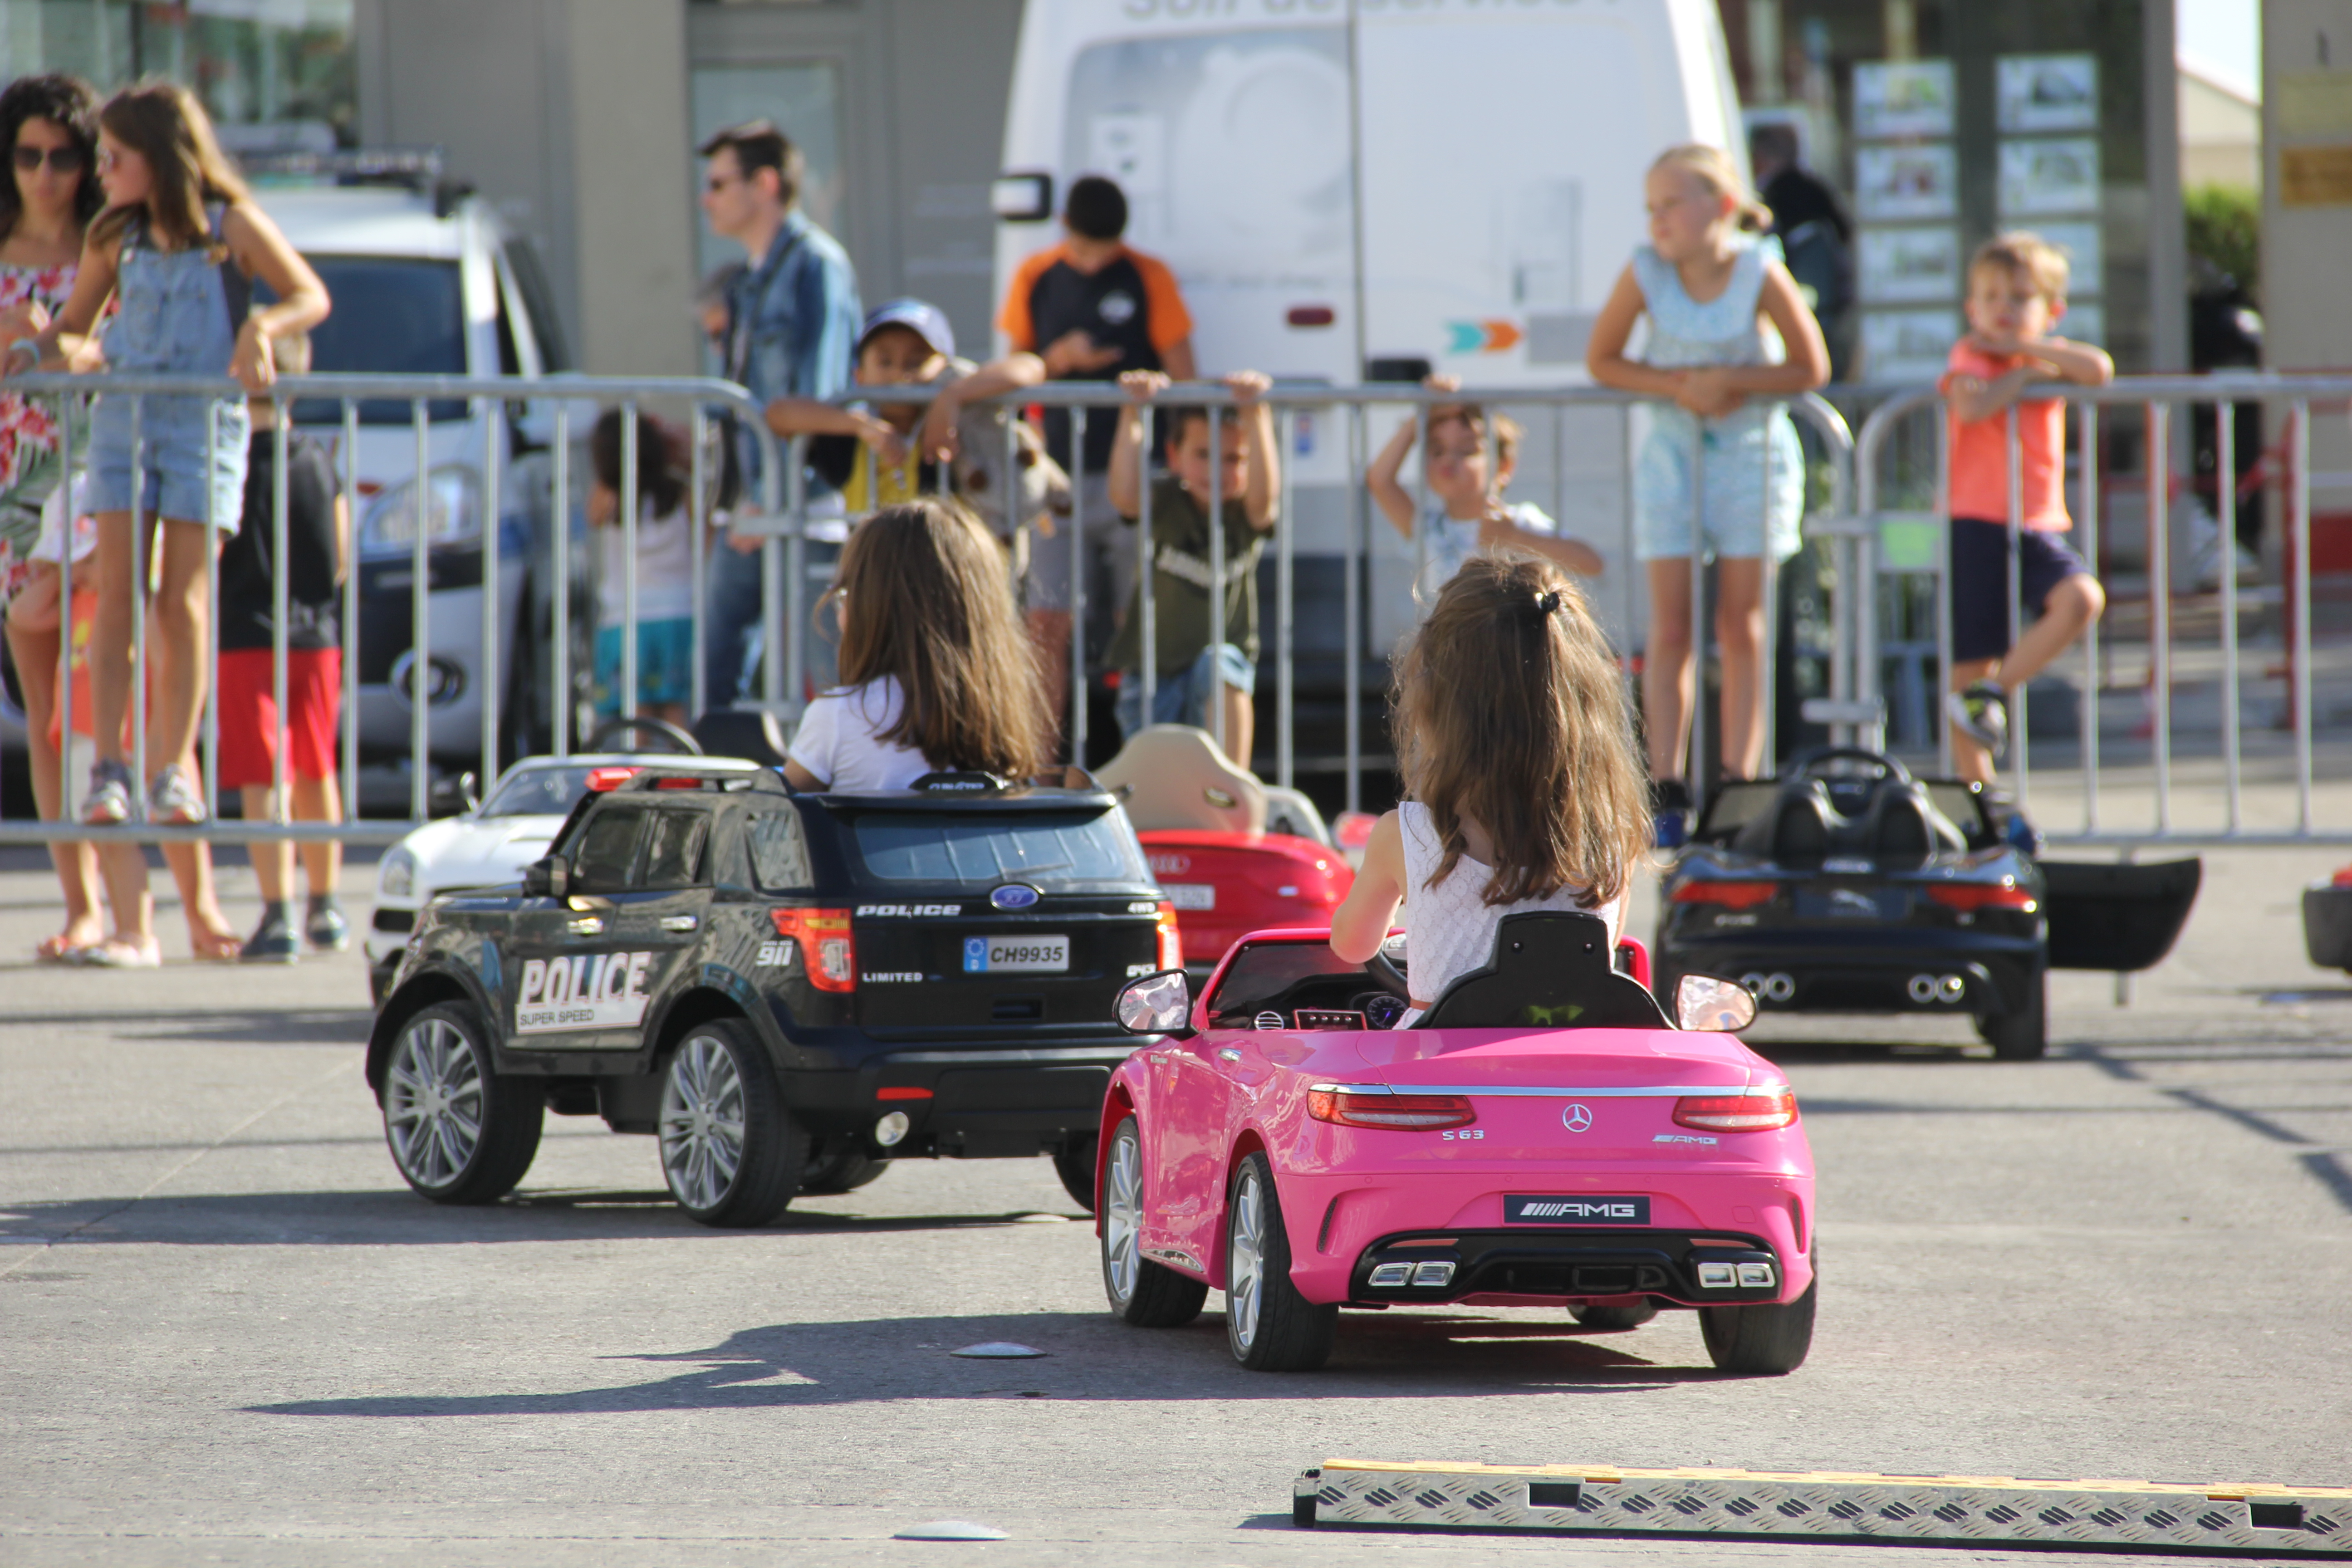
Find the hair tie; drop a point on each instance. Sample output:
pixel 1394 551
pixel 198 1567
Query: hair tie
pixel 1548 602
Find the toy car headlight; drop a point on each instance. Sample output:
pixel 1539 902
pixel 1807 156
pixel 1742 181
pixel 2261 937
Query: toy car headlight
pixel 452 507
pixel 396 878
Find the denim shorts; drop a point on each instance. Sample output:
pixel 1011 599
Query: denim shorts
pixel 665 664
pixel 181 480
pixel 1185 698
pixel 1980 618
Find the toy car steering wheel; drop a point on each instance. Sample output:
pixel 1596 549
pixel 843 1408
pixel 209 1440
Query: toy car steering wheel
pixel 1812 761
pixel 1388 976
pixel 660 727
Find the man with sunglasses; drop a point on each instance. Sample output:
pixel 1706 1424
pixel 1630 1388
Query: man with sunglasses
pixel 793 318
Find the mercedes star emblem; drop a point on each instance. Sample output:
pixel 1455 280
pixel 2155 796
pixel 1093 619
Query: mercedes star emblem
pixel 1577 1118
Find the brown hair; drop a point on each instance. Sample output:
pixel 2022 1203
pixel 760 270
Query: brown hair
pixel 163 123
pixel 1507 430
pixel 925 599
pixel 662 459
pixel 1507 713
pixel 1713 168
pixel 2019 251
pixel 68 103
pixel 759 144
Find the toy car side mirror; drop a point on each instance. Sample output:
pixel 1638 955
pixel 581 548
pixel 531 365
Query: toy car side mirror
pixel 1157 1004
pixel 469 790
pixel 1704 1002
pixel 547 878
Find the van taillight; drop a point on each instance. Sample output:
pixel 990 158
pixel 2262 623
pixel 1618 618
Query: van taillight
pixel 1410 1112
pixel 1737 1112
pixel 1730 895
pixel 827 947
pixel 1172 944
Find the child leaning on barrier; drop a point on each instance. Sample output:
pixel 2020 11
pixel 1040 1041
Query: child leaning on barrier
pixel 180 242
pixel 663 567
pixel 1727 331
pixel 1467 513
pixel 1192 675
pixel 1521 795
pixel 2017 292
pixel 936 673
pixel 317 557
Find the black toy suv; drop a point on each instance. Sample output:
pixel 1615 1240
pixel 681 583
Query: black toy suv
pixel 789 991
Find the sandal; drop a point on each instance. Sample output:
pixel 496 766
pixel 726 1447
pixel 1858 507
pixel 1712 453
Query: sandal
pixel 215 946
pixel 60 949
pixel 116 953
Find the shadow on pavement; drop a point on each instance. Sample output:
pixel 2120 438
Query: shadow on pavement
pixel 394 1217
pixel 212 1026
pixel 1090 1357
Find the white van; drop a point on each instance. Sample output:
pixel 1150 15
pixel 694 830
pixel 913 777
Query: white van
pixel 1484 160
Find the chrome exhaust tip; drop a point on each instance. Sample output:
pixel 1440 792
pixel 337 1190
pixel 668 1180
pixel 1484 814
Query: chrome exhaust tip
pixel 1779 987
pixel 1753 982
pixel 1923 989
pixel 1952 987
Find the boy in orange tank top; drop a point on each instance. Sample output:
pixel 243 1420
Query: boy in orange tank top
pixel 2017 292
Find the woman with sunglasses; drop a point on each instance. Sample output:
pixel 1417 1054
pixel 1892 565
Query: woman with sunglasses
pixel 50 125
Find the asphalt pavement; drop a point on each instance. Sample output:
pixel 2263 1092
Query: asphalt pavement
pixel 228 1332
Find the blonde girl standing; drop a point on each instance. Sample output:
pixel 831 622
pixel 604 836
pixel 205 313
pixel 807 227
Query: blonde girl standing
pixel 1726 326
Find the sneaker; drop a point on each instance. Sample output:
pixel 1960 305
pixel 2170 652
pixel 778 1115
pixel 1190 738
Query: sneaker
pixel 1981 713
pixel 273 941
pixel 327 929
pixel 110 801
pixel 172 800
pixel 1670 806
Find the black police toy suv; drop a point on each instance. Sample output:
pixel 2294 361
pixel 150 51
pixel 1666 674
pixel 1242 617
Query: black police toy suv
pixel 1848 886
pixel 788 991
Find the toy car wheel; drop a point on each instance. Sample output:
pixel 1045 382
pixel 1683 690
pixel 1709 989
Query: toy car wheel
pixel 1141 1292
pixel 1606 1318
pixel 459 1132
pixel 844 1170
pixel 1270 1326
pixel 1074 1162
pixel 2024 1036
pixel 731 1153
pixel 1762 1340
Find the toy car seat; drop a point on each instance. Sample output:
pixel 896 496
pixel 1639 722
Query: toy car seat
pixel 1289 811
pixel 1173 777
pixel 1799 831
pixel 1551 969
pixel 1903 830
pixel 748 733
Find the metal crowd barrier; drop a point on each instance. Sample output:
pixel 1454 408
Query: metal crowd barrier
pixel 1858 700
pixel 490 397
pixel 783 516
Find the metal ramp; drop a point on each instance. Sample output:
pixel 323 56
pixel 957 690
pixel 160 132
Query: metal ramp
pixel 1988 1511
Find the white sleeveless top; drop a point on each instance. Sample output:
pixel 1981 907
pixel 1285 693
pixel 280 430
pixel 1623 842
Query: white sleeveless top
pixel 1449 927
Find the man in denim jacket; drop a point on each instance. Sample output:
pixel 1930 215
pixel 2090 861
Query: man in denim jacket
pixel 793 318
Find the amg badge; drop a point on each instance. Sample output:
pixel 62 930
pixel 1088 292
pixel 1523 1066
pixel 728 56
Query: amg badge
pixel 1518 1210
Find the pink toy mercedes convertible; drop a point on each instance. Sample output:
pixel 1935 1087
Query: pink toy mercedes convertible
pixel 1545 1137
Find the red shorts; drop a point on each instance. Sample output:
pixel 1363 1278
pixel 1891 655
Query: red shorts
pixel 248 714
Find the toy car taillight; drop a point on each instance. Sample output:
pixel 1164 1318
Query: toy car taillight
pixel 826 946
pixel 1171 942
pixel 1969 897
pixel 1737 1112
pixel 1730 895
pixel 1358 1108
pixel 603 779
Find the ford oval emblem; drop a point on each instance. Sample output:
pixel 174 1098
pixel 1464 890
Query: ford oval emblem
pixel 1014 895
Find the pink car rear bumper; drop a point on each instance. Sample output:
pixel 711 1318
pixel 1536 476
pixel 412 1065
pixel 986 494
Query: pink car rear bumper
pixel 1341 1225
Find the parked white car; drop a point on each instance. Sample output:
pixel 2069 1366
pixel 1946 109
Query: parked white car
pixel 490 844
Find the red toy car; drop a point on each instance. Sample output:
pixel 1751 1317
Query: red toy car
pixel 1231 855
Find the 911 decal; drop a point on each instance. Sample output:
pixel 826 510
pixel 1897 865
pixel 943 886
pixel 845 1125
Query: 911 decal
pixel 598 991
pixel 775 955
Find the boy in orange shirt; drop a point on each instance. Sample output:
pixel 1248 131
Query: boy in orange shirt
pixel 2017 291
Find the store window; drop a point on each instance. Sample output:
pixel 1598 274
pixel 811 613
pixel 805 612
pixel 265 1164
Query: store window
pixel 1939 122
pixel 277 75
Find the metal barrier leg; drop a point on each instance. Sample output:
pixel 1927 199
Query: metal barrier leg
pixel 1694 710
pixel 2299 657
pixel 66 620
pixel 1351 674
pixel 627 501
pixel 2091 681
pixel 420 637
pixel 698 526
pixel 210 654
pixel 350 628
pixel 142 556
pixel 1768 645
pixel 1078 572
pixel 2159 602
pixel 1217 725
pixel 493 417
pixel 281 615
pixel 1944 666
pixel 1286 649
pixel 2225 472
pixel 560 682
pixel 2013 453
pixel 1148 589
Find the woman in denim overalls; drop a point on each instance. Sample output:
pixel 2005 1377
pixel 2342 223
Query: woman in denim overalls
pixel 178 239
